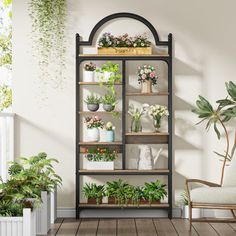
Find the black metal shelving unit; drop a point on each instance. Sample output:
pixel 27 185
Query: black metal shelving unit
pixel 165 138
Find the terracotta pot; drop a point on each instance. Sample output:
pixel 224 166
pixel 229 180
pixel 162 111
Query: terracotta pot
pixel 111 200
pixel 93 201
pixel 146 86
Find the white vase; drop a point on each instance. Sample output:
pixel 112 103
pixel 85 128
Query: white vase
pixel 107 75
pixel 88 76
pixel 92 135
pixel 103 135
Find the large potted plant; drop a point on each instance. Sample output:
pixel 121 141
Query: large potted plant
pixel 100 159
pixel 94 193
pixel 123 44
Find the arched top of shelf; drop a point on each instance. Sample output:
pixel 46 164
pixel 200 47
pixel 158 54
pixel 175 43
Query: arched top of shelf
pixel 124 15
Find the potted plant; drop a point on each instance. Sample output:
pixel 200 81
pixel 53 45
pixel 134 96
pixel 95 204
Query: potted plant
pixel 110 134
pixel 100 158
pixel 94 193
pixel 109 102
pixel 88 72
pixel 137 195
pixel 154 192
pixel 136 115
pixel 157 112
pixel 92 102
pixel 110 72
pixel 92 124
pixel 123 44
pixel 147 77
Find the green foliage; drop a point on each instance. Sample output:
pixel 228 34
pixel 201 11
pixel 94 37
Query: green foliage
pixel 6 49
pixel 92 99
pixel 5 97
pixel 8 209
pixel 101 154
pixel 184 198
pixel 137 194
pixel 154 191
pixel 94 191
pixel 109 99
pixel 48 33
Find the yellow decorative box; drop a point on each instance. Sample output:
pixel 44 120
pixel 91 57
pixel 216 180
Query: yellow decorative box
pixel 125 51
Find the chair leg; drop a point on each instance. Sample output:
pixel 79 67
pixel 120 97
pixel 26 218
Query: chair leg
pixel 190 216
pixel 232 211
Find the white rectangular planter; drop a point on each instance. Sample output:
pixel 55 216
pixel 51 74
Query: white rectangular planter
pixel 53 206
pixel 43 214
pixel 196 212
pixel 19 226
pixel 100 165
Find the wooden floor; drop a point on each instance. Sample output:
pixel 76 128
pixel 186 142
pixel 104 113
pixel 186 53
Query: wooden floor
pixel 138 227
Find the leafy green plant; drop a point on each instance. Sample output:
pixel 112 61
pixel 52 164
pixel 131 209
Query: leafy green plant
pixel 225 111
pixel 48 34
pixel 92 99
pixel 5 97
pixel 9 209
pixel 137 195
pixel 154 191
pixel 94 191
pixel 101 154
pixel 109 99
pixel 184 198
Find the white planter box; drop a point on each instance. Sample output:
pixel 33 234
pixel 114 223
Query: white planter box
pixel 43 214
pixel 196 212
pixel 100 165
pixel 53 206
pixel 19 226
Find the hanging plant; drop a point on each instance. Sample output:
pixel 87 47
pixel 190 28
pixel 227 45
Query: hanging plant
pixel 48 35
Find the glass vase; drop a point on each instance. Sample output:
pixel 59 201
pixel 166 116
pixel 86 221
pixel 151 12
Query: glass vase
pixel 136 125
pixel 157 124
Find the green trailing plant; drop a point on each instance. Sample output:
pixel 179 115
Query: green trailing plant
pixel 5 97
pixel 219 116
pixel 154 191
pixel 94 191
pixel 109 99
pixel 92 99
pixel 48 34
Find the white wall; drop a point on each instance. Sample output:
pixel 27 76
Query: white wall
pixel 204 58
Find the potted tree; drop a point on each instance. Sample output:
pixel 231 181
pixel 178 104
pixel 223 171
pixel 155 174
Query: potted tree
pixel 88 72
pixel 92 102
pixel 94 193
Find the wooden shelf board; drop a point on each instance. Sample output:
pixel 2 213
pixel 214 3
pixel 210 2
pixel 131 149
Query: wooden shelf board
pixel 148 94
pixel 98 112
pixel 97 83
pixel 100 143
pixel 147 134
pixel 124 172
pixel 105 205
pixel 117 55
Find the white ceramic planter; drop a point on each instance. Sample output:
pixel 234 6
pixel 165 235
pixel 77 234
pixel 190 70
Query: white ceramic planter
pixel 53 206
pixel 92 135
pixel 19 226
pixel 88 76
pixel 43 214
pixel 100 165
pixel 196 212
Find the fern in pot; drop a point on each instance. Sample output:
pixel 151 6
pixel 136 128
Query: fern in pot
pixel 92 102
pixel 109 102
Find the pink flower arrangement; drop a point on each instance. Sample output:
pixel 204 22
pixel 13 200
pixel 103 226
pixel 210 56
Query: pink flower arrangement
pixel 147 72
pixel 94 122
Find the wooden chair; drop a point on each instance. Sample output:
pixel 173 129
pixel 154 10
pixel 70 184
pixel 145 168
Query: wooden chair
pixel 214 196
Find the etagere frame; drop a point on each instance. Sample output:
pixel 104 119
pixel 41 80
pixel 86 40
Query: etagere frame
pixel 162 138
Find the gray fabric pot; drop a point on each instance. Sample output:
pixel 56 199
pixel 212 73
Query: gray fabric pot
pixel 93 107
pixel 108 107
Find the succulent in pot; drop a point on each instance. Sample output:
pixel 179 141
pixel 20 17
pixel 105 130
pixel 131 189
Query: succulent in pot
pixel 92 102
pixel 109 102
pixel 94 193
pixel 88 73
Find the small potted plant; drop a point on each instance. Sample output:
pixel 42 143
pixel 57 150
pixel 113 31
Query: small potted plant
pixel 136 115
pixel 92 124
pixel 94 193
pixel 109 102
pixel 110 134
pixel 157 112
pixel 147 77
pixel 88 73
pixel 100 159
pixel 92 102
pixel 154 192
pixel 110 72
pixel 137 195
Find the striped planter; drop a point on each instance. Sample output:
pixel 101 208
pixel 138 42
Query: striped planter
pixel 19 226
pixel 53 206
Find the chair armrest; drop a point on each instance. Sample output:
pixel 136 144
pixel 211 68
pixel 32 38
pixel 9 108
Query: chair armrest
pixel 210 184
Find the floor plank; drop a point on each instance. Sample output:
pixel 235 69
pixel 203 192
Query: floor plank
pixel 107 227
pixel 204 229
pixel 182 227
pixel 88 227
pixel 223 229
pixel 145 227
pixel 69 227
pixel 55 227
pixel 126 227
pixel 164 227
pixel 233 225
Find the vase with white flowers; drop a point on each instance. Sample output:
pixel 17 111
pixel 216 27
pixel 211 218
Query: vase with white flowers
pixel 136 115
pixel 93 123
pixel 110 134
pixel 147 77
pixel 157 112
pixel 88 73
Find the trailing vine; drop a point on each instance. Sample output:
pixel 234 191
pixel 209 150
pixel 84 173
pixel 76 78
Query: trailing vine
pixel 48 35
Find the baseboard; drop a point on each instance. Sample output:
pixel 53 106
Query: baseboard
pixel 65 212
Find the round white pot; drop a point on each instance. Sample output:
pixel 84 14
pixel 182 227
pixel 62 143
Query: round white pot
pixel 107 75
pixel 92 135
pixel 88 76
